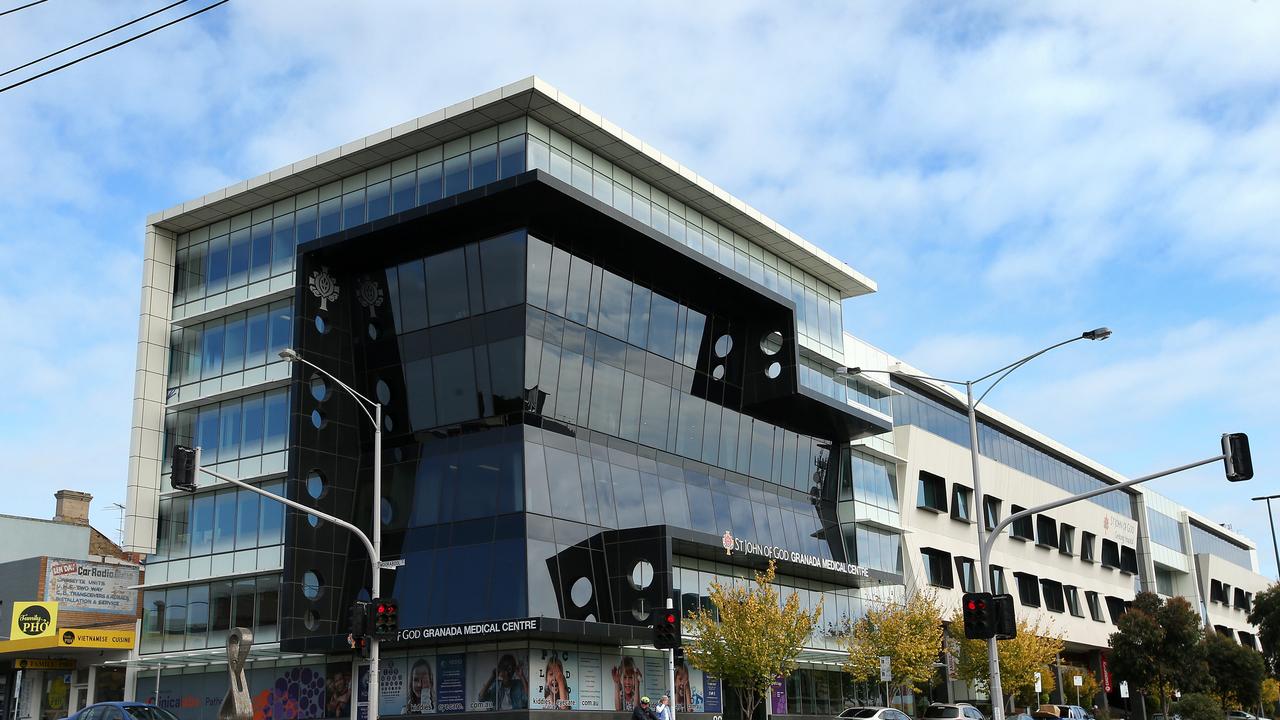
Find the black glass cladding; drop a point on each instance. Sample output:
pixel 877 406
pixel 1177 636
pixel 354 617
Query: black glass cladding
pixel 538 399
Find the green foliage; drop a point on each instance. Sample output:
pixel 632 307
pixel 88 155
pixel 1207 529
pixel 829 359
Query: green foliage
pixel 1197 706
pixel 1021 658
pixel 1235 672
pixel 755 640
pixel 1265 614
pixel 1156 646
pixel 909 634
pixel 1089 686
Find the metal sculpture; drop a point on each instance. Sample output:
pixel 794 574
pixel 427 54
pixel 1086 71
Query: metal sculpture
pixel 237 705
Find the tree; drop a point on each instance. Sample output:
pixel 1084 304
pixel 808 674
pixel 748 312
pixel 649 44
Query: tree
pixel 755 639
pixel 1156 646
pixel 1265 614
pixel 1235 672
pixel 1197 706
pixel 1089 687
pixel 1031 652
pixel 1270 695
pixel 909 634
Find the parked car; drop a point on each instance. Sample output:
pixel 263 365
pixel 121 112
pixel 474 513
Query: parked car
pixel 872 713
pixel 954 711
pixel 1073 712
pixel 1160 716
pixel 1020 715
pixel 122 711
pixel 1241 715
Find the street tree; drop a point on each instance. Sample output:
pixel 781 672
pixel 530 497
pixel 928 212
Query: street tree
pixel 1033 651
pixel 1156 646
pixel 1235 672
pixel 749 638
pixel 1265 614
pixel 909 634
pixel 1270 696
pixel 1089 686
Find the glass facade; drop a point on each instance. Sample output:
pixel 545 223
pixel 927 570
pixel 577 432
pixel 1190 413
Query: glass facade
pixel 251 431
pixel 1165 530
pixel 193 617
pixel 229 352
pixel 915 408
pixel 1203 541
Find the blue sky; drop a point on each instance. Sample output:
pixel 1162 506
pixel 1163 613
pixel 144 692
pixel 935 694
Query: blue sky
pixel 1010 174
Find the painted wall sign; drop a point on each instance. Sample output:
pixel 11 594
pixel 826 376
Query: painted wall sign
pixel 92 587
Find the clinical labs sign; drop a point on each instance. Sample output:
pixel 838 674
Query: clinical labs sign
pixel 33 620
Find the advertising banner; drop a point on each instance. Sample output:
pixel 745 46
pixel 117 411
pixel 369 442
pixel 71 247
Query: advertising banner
pixel 689 688
pixel 92 587
pixel 778 697
pixel 555 675
pixel 451 693
pixel 337 689
pixel 655 678
pixel 588 686
pixel 498 681
pixel 33 620
pixel 420 686
pixel 711 691
pixel 628 679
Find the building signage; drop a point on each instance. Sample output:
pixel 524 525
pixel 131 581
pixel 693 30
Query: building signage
pixel 34 620
pixel 91 638
pixel 43 664
pixel 1106 675
pixel 92 587
pixel 497 627
pixel 1122 530
pixel 773 552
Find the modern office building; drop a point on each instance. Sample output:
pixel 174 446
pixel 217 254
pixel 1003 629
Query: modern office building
pixel 605 383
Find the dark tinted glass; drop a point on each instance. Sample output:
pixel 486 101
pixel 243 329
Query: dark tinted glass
pixel 503 263
pixel 935 711
pixel 446 278
pixel 430 184
pixel 456 175
pixel 511 156
pixel 484 165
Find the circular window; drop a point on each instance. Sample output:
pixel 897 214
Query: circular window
pixel 315 484
pixel 640 609
pixel 388 511
pixel 773 371
pixel 723 346
pixel 311 620
pixel 313 521
pixel 322 327
pixel 311 585
pixel 770 344
pixel 318 420
pixel 717 372
pixel 319 388
pixel 382 391
pixel 641 575
pixel 387 423
pixel 580 593
pixel 373 330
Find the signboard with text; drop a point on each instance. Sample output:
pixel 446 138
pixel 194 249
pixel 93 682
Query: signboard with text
pixel 92 587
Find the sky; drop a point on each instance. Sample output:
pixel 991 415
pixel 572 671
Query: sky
pixel 1010 174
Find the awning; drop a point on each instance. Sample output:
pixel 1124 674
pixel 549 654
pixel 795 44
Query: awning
pixel 267 652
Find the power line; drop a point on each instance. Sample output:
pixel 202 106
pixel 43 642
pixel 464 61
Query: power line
pixel 95 37
pixel 113 47
pixel 23 7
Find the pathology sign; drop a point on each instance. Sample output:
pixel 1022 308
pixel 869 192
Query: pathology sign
pixel 467 630
pixel 92 587
pixel 732 544
pixel 33 620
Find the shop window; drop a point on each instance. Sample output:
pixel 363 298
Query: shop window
pixel 932 492
pixel 1022 528
pixel 961 503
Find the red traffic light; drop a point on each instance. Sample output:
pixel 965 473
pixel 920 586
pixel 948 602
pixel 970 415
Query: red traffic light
pixel 382 608
pixel 671 618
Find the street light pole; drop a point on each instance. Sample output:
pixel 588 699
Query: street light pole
pixel 375 583
pixel 984 538
pixel 1272 518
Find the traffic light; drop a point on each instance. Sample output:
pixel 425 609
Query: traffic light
pixel 666 631
pixel 386 618
pixel 361 646
pixel 978 616
pixel 186 464
pixel 1235 448
pixel 358 619
pixel 1006 623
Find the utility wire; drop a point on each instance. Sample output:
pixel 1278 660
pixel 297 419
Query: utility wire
pixel 95 37
pixel 23 7
pixel 113 47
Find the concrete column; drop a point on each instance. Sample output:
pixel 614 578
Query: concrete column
pixel 1146 564
pixel 93 681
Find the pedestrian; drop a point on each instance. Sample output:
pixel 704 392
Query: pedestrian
pixel 662 711
pixel 642 711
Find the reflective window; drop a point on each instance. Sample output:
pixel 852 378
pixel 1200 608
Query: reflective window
pixel 200 615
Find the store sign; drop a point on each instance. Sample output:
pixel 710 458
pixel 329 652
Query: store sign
pixel 33 620
pixel 89 638
pixel 43 664
pixel 732 544
pixel 500 627
pixel 92 587
pixel 1122 530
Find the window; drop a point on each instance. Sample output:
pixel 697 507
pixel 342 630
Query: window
pixel 1086 547
pixel 1095 605
pixel 1164 582
pixel 1110 554
pixel 1021 529
pixel 937 567
pixel 1052 592
pixel 1223 630
pixel 1028 589
pixel 961 503
pixel 932 493
pixel 997 585
pixel 1073 600
pixel 991 511
pixel 1066 539
pixel 1129 560
pixel 1246 639
pixel 968 576
pixel 1116 607
pixel 1046 531
pixel 1243 599
pixel 1217 592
